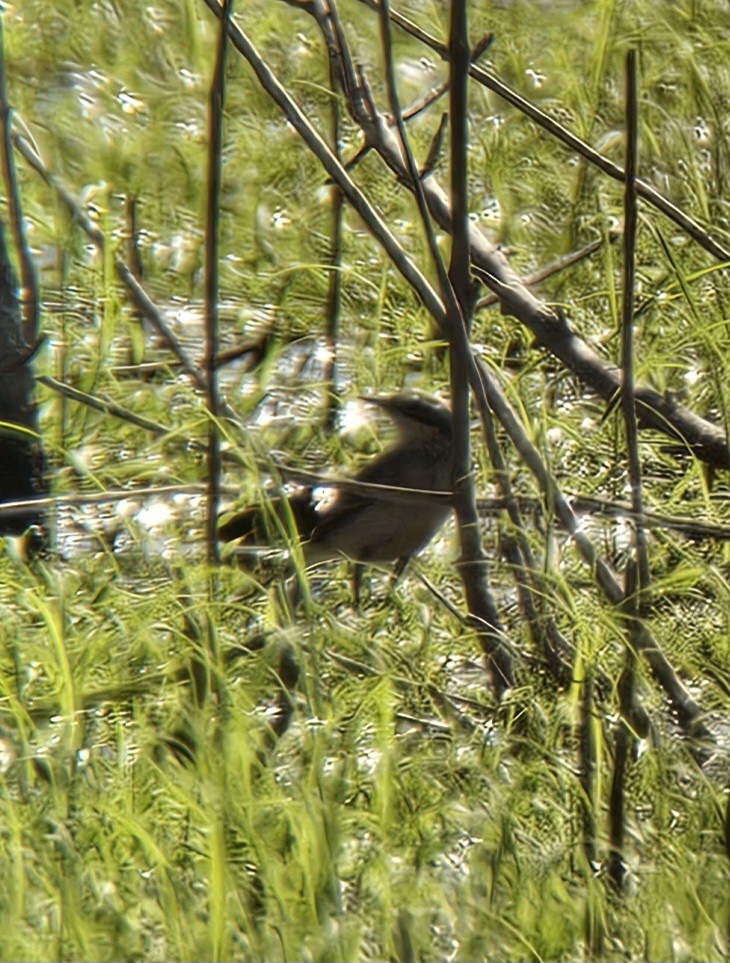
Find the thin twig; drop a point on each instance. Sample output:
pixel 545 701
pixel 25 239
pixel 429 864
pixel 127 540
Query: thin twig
pixel 580 504
pixel 230 455
pixel 101 404
pixel 588 765
pixel 408 113
pixel 372 490
pixel 213 399
pixel 472 562
pixel 637 570
pixel 98 498
pixel 206 663
pixel 555 267
pixel 334 292
pixel 591 505
pixel 134 255
pixel 628 407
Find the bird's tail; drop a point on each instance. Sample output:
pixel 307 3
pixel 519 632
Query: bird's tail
pixel 264 524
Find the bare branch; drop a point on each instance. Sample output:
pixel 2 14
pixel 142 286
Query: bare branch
pixel 550 328
pixel 486 389
pixel 213 399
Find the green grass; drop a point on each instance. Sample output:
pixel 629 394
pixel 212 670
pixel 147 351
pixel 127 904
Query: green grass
pixel 403 814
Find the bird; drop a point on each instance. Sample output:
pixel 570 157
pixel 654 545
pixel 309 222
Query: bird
pixel 368 526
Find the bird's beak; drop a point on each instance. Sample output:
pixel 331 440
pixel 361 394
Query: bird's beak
pixel 382 401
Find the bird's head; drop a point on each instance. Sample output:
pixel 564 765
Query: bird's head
pixel 414 413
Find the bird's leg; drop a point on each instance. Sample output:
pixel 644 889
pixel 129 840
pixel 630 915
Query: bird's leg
pixel 290 595
pixel 398 569
pixel 394 577
pixel 357 570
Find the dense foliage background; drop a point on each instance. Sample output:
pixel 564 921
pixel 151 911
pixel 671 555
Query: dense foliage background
pixel 404 813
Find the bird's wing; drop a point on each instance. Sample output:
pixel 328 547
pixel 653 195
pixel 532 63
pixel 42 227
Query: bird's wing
pixel 347 507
